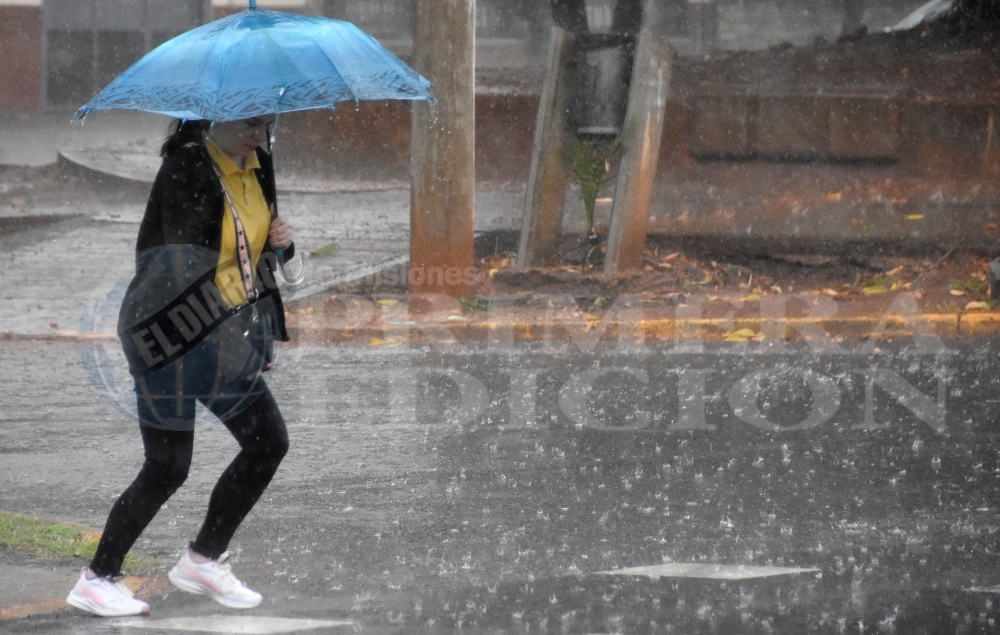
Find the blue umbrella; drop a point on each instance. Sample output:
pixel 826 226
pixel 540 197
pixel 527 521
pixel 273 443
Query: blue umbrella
pixel 260 62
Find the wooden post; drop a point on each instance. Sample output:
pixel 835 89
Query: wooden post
pixel 644 123
pixel 442 150
pixel 541 223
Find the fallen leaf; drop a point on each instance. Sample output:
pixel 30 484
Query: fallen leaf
pixel 834 196
pixel 392 342
pixel 833 293
pixel 914 217
pixel 957 292
pixel 875 289
pixel 388 302
pixel 977 306
pixel 744 335
pixel 753 297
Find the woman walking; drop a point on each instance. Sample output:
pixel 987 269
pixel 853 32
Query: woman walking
pixel 197 325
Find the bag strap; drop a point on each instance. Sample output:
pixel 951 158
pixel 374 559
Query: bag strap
pixel 242 246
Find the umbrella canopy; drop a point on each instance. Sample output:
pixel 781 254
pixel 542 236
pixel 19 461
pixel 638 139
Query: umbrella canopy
pixel 260 62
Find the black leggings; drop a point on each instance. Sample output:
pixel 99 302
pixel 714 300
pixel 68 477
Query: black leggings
pixel 263 438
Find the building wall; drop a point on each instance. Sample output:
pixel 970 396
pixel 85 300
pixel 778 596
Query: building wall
pixel 21 52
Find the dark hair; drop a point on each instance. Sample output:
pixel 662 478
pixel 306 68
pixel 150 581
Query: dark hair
pixel 184 131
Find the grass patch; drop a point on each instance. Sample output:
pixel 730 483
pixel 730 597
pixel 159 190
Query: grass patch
pixel 473 304
pixel 52 540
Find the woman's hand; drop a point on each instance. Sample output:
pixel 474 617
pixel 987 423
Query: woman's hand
pixel 280 234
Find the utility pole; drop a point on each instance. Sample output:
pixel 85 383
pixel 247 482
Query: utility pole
pixel 442 150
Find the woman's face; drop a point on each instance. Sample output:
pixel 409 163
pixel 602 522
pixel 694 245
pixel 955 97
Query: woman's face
pixel 241 138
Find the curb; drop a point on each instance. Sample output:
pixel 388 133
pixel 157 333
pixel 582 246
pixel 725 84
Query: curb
pixel 460 329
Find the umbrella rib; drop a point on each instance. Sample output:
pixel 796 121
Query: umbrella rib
pixel 333 66
pixel 327 60
pixel 221 71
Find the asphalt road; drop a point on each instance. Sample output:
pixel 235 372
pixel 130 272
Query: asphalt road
pixel 447 489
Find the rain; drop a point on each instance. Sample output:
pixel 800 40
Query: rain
pixel 605 316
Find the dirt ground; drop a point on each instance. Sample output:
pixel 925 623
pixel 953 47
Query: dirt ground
pixel 954 281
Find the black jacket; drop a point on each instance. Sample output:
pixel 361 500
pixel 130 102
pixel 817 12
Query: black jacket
pixel 187 205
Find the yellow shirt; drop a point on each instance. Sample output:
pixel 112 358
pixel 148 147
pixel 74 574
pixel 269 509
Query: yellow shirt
pixel 245 192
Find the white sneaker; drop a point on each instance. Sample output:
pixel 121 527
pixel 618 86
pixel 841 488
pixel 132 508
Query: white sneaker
pixel 105 596
pixel 215 580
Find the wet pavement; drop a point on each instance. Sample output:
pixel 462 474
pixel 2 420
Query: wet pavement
pixel 455 489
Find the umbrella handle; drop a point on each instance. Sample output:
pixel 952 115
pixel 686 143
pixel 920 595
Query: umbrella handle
pixel 297 277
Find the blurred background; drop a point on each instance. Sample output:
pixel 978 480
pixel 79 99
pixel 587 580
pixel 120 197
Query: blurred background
pixel 59 53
